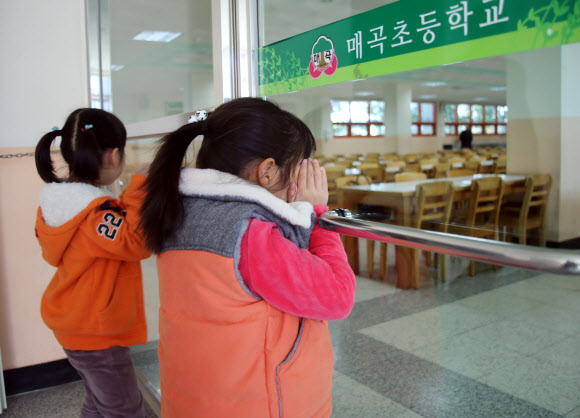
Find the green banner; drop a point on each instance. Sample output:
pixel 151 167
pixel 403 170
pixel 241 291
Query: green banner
pixel 412 34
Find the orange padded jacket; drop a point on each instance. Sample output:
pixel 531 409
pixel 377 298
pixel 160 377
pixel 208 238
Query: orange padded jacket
pixel 95 299
pixel 224 351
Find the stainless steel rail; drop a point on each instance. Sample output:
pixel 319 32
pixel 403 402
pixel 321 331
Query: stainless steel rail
pixel 496 252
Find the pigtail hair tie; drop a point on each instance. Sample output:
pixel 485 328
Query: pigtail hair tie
pixel 86 128
pixel 200 116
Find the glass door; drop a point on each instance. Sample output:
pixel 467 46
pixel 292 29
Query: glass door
pixel 455 118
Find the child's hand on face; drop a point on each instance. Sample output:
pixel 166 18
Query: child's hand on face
pixel 311 185
pixel 143 170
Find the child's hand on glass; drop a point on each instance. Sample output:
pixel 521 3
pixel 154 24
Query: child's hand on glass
pixel 311 185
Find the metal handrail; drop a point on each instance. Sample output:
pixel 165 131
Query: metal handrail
pixel 496 252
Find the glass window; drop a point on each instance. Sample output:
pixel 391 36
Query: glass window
pixel 340 112
pixel 414 112
pixel 423 118
pixel 377 111
pixel 481 118
pixel 502 114
pixel 463 113
pixel 427 112
pixel 490 114
pixel 150 69
pixel 360 117
pixel 450 113
pixel 359 130
pixel 359 111
pixel 476 113
pixel 340 129
pixel 501 129
pixel 377 130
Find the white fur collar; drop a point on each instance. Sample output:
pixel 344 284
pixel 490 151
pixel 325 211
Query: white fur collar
pixel 60 202
pixel 213 183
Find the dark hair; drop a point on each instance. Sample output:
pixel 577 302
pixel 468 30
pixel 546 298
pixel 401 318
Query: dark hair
pixel 237 135
pixel 86 135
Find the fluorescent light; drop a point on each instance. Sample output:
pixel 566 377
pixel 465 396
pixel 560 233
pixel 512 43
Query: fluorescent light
pixel 364 93
pixel 435 83
pixel 117 67
pixel 498 88
pixel 428 96
pixel 156 36
pixel 480 99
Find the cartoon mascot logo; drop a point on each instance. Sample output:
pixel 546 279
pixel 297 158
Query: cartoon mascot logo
pixel 323 59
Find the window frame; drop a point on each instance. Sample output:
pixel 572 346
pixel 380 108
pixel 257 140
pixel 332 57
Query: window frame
pixel 470 124
pixel 350 123
pixel 420 121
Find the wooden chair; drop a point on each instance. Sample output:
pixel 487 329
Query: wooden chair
pixel 392 168
pixel 460 172
pixel 441 170
pixel 482 220
pixel 332 173
pixel 499 166
pixel 354 180
pixel 365 165
pixel 531 214
pixel 472 165
pixel 375 175
pixel 410 176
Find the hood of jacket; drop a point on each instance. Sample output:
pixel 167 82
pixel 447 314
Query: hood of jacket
pixel 63 207
pixel 218 185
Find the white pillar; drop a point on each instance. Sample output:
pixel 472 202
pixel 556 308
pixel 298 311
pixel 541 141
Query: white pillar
pixel 543 98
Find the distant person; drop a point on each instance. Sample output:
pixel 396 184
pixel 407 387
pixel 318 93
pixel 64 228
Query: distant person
pixel 94 303
pixel 466 138
pixel 247 277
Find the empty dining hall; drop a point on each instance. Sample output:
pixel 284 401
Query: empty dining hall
pixel 447 136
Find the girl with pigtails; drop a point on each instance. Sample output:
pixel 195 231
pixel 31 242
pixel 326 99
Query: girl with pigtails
pixel 94 303
pixel 248 280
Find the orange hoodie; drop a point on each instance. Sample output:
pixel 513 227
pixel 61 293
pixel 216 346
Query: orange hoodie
pixel 95 299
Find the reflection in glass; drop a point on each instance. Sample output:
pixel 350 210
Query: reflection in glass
pixel 359 111
pixel 150 76
pixel 359 130
pixel 414 112
pixel 377 111
pixel 340 112
pixel 427 112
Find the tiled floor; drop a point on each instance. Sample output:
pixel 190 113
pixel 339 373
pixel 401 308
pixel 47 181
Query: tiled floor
pixel 505 343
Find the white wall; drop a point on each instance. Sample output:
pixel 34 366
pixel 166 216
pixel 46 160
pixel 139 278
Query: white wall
pixel 43 78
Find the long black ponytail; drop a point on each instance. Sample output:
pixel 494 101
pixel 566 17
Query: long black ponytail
pixel 237 134
pixel 162 205
pixel 86 135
